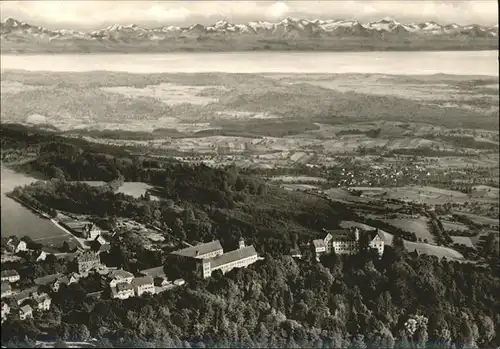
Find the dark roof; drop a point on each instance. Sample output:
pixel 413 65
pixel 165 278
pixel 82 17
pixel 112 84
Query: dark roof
pixel 88 256
pixel 142 280
pixel 154 272
pixel 373 233
pixel 123 286
pixel 10 272
pixel 45 280
pixel 41 298
pixel 319 243
pixel 120 274
pixel 200 249
pixel 21 296
pixel 342 235
pixel 26 308
pixel 232 256
pixel 63 279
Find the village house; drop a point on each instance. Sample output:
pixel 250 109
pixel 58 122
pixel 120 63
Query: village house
pixel 10 276
pixel 54 281
pixel 201 251
pixel 41 256
pixel 6 289
pixel 25 312
pixel 158 275
pixel 348 242
pixel 91 231
pixel 56 284
pixel 119 276
pixel 21 297
pixel 5 311
pixel 240 258
pixel 122 291
pixel 43 302
pixel 143 284
pixel 17 247
pixel 87 261
pixel 100 245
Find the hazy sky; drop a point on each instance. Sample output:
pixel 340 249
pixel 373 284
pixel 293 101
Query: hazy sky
pixel 94 14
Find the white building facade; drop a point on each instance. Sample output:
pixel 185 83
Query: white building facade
pixel 143 284
pixel 240 258
pixel 349 245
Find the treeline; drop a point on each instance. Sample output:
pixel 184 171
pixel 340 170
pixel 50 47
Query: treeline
pixel 372 133
pixel 344 302
pixel 466 141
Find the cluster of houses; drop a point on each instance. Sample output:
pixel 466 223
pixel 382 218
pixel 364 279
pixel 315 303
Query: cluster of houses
pixel 25 300
pixel 348 242
pixel 211 256
pixel 125 285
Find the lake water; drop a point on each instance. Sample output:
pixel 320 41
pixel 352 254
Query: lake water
pixel 19 221
pixel 16 219
pixel 413 63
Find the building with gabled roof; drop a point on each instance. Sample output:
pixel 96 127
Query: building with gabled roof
pixel 205 250
pixel 25 312
pixel 91 231
pixel 157 272
pixel 348 242
pixel 10 275
pixel 21 297
pixel 122 290
pixel 43 301
pixel 87 261
pixel 119 276
pixel 240 258
pixel 158 275
pixel 143 284
pixel 17 246
pixel 41 256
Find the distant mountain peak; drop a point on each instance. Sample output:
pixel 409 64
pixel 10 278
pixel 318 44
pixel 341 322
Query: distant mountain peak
pixel 19 34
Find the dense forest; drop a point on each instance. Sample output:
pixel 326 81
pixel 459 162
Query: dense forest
pixel 354 302
pixel 360 301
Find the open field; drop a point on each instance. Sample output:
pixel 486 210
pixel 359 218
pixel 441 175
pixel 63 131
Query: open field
pixel 268 120
pixel 463 240
pixel 454 226
pixel 417 226
pixel 135 189
pixel 423 194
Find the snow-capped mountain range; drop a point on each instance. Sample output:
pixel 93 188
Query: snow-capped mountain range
pixel 19 35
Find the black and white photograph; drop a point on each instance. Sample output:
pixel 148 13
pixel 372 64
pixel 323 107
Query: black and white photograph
pixel 250 174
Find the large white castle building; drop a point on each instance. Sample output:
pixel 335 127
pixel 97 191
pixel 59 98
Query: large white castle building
pixel 211 256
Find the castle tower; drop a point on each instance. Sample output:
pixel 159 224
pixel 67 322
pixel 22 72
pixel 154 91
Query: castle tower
pixel 241 244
